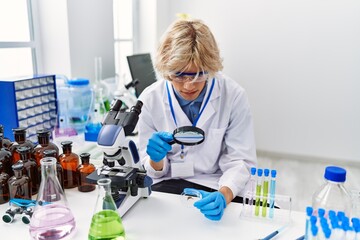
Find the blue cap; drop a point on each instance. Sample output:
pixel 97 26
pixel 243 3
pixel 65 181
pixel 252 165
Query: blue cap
pixel 327 232
pixel 314 230
pixel 266 172
pixel 273 173
pixel 340 215
pixel 259 172
pixel 313 219
pixel 309 211
pixel 321 212
pixel 78 81
pixel 253 171
pixel 335 174
pixel 332 214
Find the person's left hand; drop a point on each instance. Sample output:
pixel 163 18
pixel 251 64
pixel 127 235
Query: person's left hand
pixel 212 204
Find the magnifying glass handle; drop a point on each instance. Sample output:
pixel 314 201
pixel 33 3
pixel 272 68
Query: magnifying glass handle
pixel 171 142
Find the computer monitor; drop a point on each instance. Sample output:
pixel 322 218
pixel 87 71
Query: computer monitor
pixel 142 69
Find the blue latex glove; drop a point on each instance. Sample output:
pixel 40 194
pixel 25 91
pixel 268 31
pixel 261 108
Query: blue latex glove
pixel 212 204
pixel 158 145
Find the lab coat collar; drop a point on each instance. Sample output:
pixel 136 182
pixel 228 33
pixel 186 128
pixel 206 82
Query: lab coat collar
pixel 181 118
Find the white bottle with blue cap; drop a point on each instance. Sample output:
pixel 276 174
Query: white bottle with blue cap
pixel 333 195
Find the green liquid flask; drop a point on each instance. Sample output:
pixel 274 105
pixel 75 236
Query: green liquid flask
pixel 106 223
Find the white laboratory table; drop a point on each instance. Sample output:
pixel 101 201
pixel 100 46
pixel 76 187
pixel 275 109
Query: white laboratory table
pixel 164 216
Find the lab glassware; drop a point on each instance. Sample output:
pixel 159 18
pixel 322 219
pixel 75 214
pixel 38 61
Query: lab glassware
pixel 52 218
pixel 106 222
pixel 30 167
pixel 5 158
pixel 19 184
pixel 84 169
pixel 59 169
pixel 6 143
pixel 69 162
pixel 43 136
pixel 20 141
pixel 4 188
pixel 333 194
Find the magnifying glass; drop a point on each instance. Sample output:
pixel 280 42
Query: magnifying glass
pixel 188 136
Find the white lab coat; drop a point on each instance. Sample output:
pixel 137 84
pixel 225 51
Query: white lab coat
pixel 228 152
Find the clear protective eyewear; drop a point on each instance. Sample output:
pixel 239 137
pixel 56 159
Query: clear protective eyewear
pixel 182 77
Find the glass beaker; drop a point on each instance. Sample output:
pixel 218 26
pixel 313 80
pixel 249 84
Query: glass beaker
pixel 52 218
pixel 106 222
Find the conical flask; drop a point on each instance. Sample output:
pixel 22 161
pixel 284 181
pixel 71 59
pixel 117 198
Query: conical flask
pixel 52 219
pixel 106 222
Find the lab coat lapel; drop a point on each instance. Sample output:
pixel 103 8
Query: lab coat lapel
pixel 181 118
pixel 209 109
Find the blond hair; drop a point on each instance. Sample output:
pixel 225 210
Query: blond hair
pixel 188 42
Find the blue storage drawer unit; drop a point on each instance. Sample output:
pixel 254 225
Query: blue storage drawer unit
pixel 29 102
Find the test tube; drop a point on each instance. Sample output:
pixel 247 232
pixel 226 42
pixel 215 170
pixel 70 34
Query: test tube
pixel 272 193
pixel 309 212
pixel 252 186
pixel 258 191
pixel 265 191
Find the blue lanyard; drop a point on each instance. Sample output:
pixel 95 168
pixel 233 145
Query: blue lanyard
pixel 201 110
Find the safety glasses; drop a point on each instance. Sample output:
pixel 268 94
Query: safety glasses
pixel 182 77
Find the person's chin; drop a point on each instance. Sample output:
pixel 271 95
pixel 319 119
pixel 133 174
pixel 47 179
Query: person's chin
pixel 189 96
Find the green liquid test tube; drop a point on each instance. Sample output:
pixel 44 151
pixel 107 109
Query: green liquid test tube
pixel 265 192
pixel 258 192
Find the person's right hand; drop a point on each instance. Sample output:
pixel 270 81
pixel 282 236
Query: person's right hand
pixel 158 145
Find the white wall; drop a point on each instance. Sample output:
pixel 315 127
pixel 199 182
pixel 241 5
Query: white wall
pixel 299 62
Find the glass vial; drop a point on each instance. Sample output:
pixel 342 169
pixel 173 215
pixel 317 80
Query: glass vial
pixel 106 222
pixel 43 136
pixel 84 169
pixel 6 143
pixel 30 168
pixel 69 162
pixel 52 218
pixel 4 187
pixel 19 184
pixel 333 195
pixel 5 158
pixel 59 169
pixel 20 141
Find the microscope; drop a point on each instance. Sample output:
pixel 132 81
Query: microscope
pixel 121 162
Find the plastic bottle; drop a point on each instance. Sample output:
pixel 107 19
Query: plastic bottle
pixel 106 222
pixel 52 218
pixel 4 188
pixel 43 136
pixel 19 184
pixel 59 169
pixel 333 195
pixel 84 169
pixel 69 162
pixel 74 100
pixel 20 141
pixel 30 168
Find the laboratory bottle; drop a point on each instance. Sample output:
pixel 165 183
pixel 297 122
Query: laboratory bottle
pixel 20 183
pixel 20 141
pixel 333 195
pixel 5 158
pixel 59 169
pixel 52 218
pixel 84 169
pixel 30 168
pixel 4 188
pixel 106 222
pixel 6 143
pixel 69 162
pixel 44 143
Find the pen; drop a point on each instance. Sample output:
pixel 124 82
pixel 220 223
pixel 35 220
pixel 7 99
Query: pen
pixel 258 191
pixel 272 193
pixel 265 191
pixel 273 234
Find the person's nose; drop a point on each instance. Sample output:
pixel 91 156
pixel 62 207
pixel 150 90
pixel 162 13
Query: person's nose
pixel 189 85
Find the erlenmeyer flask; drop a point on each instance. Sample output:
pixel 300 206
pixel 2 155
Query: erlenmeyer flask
pixel 52 219
pixel 106 222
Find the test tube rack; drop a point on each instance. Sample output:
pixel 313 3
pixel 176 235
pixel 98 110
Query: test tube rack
pixel 28 102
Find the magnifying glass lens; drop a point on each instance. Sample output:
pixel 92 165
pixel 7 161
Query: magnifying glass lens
pixel 188 137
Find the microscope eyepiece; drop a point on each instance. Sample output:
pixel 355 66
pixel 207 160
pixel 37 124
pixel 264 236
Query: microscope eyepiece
pixel 116 105
pixel 137 107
